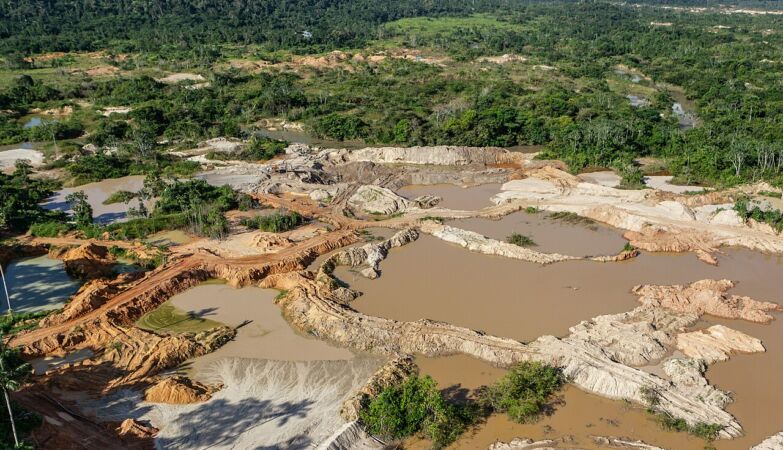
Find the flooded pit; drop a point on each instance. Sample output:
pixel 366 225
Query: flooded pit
pixel 435 280
pixel 37 284
pixel 576 414
pixel 262 333
pixel 97 193
pixel 550 235
pixel 454 197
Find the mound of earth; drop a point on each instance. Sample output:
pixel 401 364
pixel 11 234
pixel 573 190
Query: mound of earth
pixel 178 390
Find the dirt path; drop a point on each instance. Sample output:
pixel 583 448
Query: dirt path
pixel 299 255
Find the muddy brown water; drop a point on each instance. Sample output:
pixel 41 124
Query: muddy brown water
pixel 262 333
pixel 577 415
pixel 435 280
pixel 453 196
pixel 550 235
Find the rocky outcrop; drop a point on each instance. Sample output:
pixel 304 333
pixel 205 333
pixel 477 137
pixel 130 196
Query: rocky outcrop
pixel 634 338
pixel 716 343
pixel 478 243
pixel 567 444
pixel 626 443
pixel 392 373
pixel 524 444
pixel 653 239
pixel 378 200
pixel 178 390
pixel 369 255
pixel 774 442
pixel 707 297
pixel 688 375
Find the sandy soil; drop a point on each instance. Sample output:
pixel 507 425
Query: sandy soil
pixel 9 157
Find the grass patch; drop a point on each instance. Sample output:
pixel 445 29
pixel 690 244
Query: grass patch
pixel 532 210
pixel 169 318
pixel 12 324
pixel 570 218
pixel 436 219
pixel 120 197
pixel 276 222
pixel 772 194
pixel 520 240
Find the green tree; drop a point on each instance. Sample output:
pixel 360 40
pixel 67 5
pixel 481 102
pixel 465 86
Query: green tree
pixel 13 372
pixel 82 210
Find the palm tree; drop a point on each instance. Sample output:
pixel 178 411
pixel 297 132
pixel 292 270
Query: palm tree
pixel 10 379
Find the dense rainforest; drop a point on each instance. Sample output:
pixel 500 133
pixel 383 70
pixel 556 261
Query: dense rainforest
pixel 596 84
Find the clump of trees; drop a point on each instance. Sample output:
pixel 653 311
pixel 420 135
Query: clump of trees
pixel 524 392
pixel 276 222
pixel 747 210
pixel 417 407
pixel 21 198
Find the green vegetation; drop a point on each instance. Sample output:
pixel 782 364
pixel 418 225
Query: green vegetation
pixel 631 176
pixel 120 197
pixel 21 196
pixel 570 218
pixel 520 240
pixel 144 263
pixel 15 422
pixel 258 148
pixel 11 324
pixel 772 217
pixel 708 432
pixel 772 194
pixel 82 211
pixel 436 219
pixel 168 318
pixel 525 391
pixel 277 222
pixel 416 407
pixel 532 210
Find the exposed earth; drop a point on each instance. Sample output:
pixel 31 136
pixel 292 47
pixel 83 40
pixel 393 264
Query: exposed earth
pixel 297 387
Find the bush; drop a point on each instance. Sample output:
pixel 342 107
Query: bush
pixel 524 392
pixel 49 229
pixel 520 240
pixel 772 217
pixel 120 197
pixel 416 406
pixel 276 222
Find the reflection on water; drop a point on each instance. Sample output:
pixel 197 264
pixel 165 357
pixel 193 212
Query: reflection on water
pixel 97 193
pixel 37 284
pixel 33 122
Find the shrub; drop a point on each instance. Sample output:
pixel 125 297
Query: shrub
pixel 416 406
pixel 49 229
pixel 277 222
pixel 120 197
pixel 524 392
pixel 520 240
